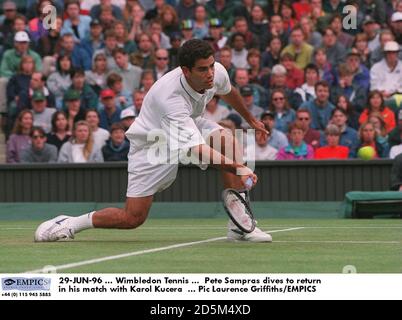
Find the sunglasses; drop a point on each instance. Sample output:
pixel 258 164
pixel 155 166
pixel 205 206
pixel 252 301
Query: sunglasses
pixel 37 137
pixel 162 58
pixel 279 99
pixel 305 119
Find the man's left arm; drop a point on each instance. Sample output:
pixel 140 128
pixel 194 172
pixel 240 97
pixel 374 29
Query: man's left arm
pixel 234 99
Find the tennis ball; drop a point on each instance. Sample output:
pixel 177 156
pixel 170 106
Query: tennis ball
pixel 366 153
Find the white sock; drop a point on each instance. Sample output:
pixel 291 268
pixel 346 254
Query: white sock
pixel 83 222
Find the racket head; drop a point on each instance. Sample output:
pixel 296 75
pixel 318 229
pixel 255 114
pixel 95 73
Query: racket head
pixel 236 206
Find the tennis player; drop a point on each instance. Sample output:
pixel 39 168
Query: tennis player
pixel 173 107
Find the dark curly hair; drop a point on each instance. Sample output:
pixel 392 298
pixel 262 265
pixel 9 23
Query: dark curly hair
pixel 194 50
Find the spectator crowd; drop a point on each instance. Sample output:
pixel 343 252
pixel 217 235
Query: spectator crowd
pixel 324 76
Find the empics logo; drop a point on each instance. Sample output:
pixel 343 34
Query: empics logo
pixel 25 284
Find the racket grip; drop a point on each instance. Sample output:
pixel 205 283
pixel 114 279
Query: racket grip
pixel 249 183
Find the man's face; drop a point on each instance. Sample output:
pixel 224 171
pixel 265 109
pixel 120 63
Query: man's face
pixel 68 43
pixel 329 38
pixel 276 23
pixel 226 58
pixel 353 62
pixel 311 77
pixel 201 76
pixel 241 77
pixel 39 106
pixel 21 47
pixel 269 121
pixel 96 30
pixel 38 140
pixel 397 27
pixel 92 119
pixel 117 137
pixel 145 43
pixel 215 32
pixel 241 26
pixel 322 94
pixel 248 100
pixel 73 11
pixel 297 37
pixel 73 105
pixel 279 80
pixel 121 60
pixel 78 81
pixel 339 119
pixel 303 118
pixel 296 136
pixel 108 102
pixel 392 57
pixel 161 58
pixel 138 99
pixel 238 43
pixel 261 138
pixel 19 25
pixel 111 43
pixel 156 28
pixel 36 81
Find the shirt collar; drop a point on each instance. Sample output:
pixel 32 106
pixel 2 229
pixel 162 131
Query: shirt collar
pixel 189 90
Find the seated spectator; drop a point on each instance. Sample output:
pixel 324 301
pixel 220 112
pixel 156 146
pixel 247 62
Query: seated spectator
pixel 294 75
pixel 117 147
pixel 288 14
pixel 349 136
pixel 222 10
pixel 299 48
pixel 121 34
pixel 143 57
pixel 365 56
pixel 239 51
pixel 37 83
pixel 386 75
pixel 58 82
pixel 10 28
pixel 19 139
pixel 257 74
pixel 96 77
pixel 356 94
pixel 100 135
pixel 214 111
pixel 297 148
pixel 88 97
pixel 311 136
pixel 200 29
pixel 216 34
pixel 247 94
pixel 343 102
pixel 147 80
pixel 396 149
pixel 336 52
pixel 307 90
pixel 379 125
pixel 324 67
pixel 80 148
pixel 312 37
pixel 111 113
pixel 74 22
pixel 261 150
pixel 284 114
pixel 60 132
pixel 361 75
pixel 134 15
pixel 332 150
pixel 94 41
pixel 320 108
pixel 271 56
pixel 276 138
pixel 131 74
pixel 96 10
pixel 336 24
pixel 79 56
pixel 110 42
pixel 138 97
pixel 368 137
pixel 252 41
pixel 376 104
pixel 159 38
pixel 40 151
pixel 225 58
pixel 123 97
pixel 127 117
pixel 161 66
pixel 41 114
pixel 18 83
pixel 74 110
pixel 278 81
pixel 169 20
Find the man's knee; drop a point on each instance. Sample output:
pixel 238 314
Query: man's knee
pixel 136 212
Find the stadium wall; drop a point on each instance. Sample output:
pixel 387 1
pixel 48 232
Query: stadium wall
pixel 283 181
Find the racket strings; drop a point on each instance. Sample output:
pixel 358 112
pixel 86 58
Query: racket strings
pixel 238 211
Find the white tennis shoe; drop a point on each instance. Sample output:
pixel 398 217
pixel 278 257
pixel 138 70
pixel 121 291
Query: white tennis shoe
pixel 55 229
pixel 235 234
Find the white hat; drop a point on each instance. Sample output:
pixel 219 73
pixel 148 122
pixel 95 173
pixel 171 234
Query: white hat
pixel 279 69
pixel 21 36
pixel 396 16
pixel 127 113
pixel 391 46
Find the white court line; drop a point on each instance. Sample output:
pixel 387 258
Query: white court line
pixel 137 253
pixel 338 242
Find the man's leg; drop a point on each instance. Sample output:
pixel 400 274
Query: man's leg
pixel 131 216
pixel 224 142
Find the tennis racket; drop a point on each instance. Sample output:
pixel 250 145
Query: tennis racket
pixel 238 209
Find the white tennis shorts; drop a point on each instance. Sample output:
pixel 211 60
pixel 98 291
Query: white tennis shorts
pixel 145 178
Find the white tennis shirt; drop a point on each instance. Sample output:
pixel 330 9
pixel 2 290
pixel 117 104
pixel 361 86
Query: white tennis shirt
pixel 172 103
